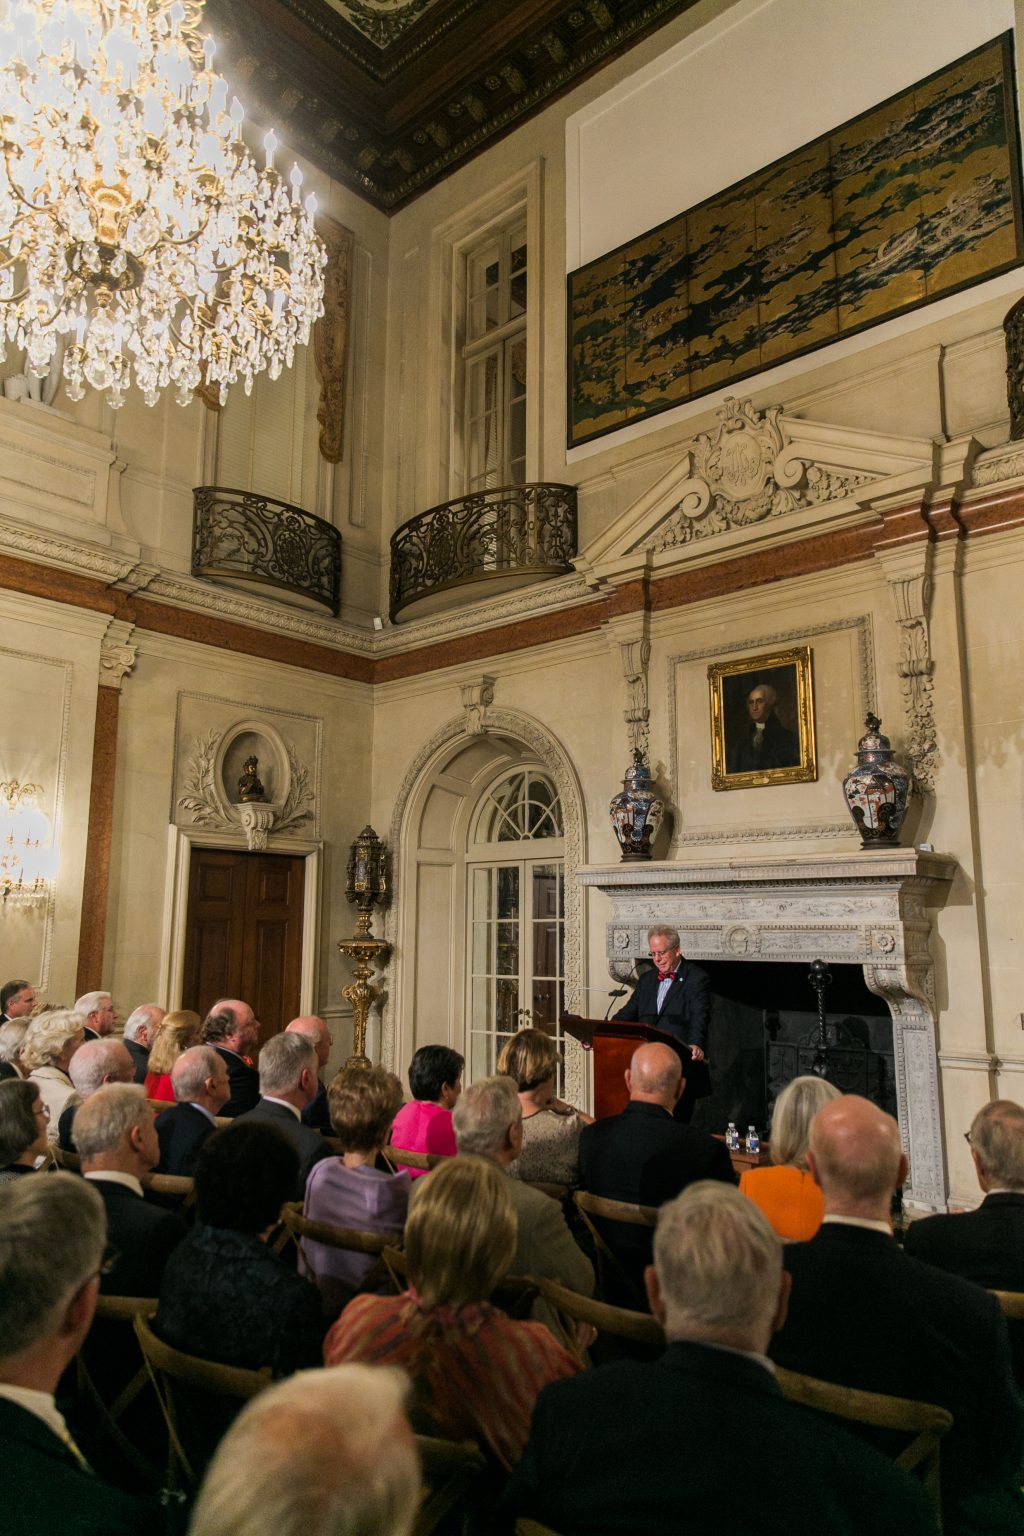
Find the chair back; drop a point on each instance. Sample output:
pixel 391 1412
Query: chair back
pixel 559 1192
pixel 65 1159
pixel 451 1469
pixel 167 1367
pixel 927 1422
pixel 572 1308
pixel 398 1158
pixel 1011 1303
pixel 610 1272
pixel 106 1415
pixel 350 1239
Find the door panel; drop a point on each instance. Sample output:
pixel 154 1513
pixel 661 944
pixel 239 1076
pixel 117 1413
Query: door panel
pixel 244 933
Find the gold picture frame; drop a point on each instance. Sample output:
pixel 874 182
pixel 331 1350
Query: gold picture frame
pixel 784 750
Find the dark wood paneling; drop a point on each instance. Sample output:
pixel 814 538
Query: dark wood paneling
pixel 96 884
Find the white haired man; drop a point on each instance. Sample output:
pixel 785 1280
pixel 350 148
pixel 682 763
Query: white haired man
pixel 766 743
pixel 702 1439
pixel 99 1013
pixel 116 1140
pixel 200 1082
pixel 140 1030
pixel 906 1329
pixel 326 1453
pixel 12 1034
pixel 52 1235
pixel 317 1114
pixel 488 1122
pixel 94 1063
pixel 288 1082
pixel 233 1030
pixel 675 995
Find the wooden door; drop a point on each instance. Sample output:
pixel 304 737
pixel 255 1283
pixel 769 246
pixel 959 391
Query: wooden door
pixel 243 935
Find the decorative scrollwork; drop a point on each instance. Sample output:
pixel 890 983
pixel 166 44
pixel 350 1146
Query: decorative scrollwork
pixel 245 534
pixel 513 528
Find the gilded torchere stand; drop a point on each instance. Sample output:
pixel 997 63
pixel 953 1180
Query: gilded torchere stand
pixel 366 885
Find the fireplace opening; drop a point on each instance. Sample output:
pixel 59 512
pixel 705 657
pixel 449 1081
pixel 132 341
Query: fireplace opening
pixel 764 1032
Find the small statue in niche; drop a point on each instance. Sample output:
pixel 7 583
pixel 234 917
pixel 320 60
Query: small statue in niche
pixel 249 786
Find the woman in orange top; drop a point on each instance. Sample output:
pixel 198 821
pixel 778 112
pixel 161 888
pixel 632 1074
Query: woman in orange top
pixel 786 1193
pixel 178 1031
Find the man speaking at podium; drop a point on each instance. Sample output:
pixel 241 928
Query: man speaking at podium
pixel 675 996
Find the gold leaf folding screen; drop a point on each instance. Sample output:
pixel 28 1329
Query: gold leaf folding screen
pixel 912 200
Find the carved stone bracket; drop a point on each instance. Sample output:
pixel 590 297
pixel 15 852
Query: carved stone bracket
pixel 630 643
pixel 330 338
pixel 117 656
pixel 908 574
pixel 257 823
pixel 477 697
pixel 745 472
pixel 857 909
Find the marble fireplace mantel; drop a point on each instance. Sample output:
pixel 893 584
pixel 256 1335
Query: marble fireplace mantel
pixel 858 908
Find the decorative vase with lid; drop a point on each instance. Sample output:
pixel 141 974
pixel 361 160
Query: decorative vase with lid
pixel 637 811
pixel 877 790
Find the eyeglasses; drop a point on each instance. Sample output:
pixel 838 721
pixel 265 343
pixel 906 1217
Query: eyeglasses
pixel 967 1138
pixel 44 1110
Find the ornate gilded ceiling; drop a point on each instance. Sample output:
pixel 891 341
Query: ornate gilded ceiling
pixel 389 96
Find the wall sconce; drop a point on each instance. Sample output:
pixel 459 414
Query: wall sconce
pixel 26 857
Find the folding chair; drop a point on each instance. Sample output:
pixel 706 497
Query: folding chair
pixel 451 1471
pixel 926 1421
pixel 635 1327
pixel 1011 1303
pixel 610 1272
pixel 398 1158
pixel 116 1316
pixel 167 1366
pixel 348 1239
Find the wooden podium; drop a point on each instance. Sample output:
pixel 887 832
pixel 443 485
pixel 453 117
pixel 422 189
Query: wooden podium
pixel 613 1042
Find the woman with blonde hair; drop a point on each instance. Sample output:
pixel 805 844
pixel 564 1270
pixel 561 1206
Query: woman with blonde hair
pixel 551 1129
pixel 176 1034
pixel 785 1192
pixel 476 1373
pixel 46 1051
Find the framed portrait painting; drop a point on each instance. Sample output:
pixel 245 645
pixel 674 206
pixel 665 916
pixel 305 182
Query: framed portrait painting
pixel 762 720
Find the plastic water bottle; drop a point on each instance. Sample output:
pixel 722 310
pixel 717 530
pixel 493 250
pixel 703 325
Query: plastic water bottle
pixel 753 1140
pixel 732 1137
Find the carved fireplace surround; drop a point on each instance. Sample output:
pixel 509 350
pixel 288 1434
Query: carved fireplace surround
pixel 867 909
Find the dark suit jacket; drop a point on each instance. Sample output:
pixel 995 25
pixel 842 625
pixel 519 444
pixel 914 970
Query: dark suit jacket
pixel 65 1125
pixel 645 1157
pixel 318 1115
pixel 244 1082
pixel 865 1314
pixel 687 1010
pixel 91 1034
pixel 181 1131
pixel 986 1246
pixel 46 1492
pixel 8 1071
pixel 144 1235
pixel 698 1442
pixel 309 1145
pixel 779 749
pixel 140 1055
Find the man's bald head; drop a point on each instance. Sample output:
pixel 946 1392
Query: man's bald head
pixel 655 1075
pixel 316 1031
pixel 856 1157
pixel 98 1062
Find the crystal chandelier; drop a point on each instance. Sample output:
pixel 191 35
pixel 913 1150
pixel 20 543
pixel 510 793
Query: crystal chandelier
pixel 134 222
pixel 25 852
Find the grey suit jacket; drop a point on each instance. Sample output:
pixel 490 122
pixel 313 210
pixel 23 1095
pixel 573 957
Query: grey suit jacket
pixel 545 1246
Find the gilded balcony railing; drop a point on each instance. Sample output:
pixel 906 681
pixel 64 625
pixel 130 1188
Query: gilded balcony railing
pixel 245 536
pixel 513 530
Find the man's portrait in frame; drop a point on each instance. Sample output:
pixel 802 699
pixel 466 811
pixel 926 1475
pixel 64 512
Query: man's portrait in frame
pixel 762 720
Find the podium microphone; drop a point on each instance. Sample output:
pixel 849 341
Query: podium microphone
pixel 579 991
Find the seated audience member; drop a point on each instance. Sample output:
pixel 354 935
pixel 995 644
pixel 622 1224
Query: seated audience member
pixel 702 1439
pixel 17 1000
pixel 99 1013
pixel 226 1296
pixel 50 1042
pixel 864 1314
pixel 551 1129
pixel 288 1082
pixel 350 1191
pixel 139 1033
pixel 116 1140
pixel 178 1032
pixel 489 1123
pixel 94 1063
pixel 233 1030
pixel 12 1035
pixel 425 1125
pixel 986 1245
pixel 305 1458
pixel 786 1191
pixel 317 1114
pixel 24 1124
pixel 52 1234
pixel 475 1372
pixel 200 1082
pixel 644 1156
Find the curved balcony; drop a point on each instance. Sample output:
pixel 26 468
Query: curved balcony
pixel 491 540
pixel 247 539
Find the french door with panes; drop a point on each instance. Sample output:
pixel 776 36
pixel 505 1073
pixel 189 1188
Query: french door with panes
pixel 517 948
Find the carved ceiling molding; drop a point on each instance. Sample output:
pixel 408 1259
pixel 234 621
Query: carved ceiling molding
pixel 389 96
